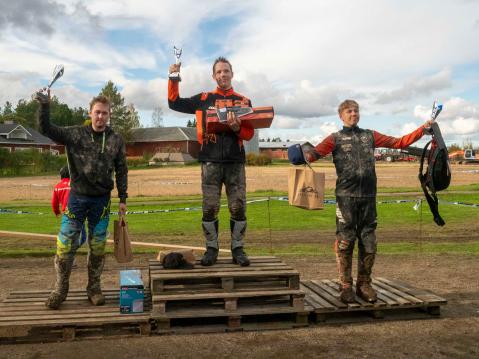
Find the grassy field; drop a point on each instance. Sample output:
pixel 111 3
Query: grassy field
pixel 273 225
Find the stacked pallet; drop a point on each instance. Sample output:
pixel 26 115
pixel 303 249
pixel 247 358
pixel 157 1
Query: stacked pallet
pixel 228 296
pixel 24 318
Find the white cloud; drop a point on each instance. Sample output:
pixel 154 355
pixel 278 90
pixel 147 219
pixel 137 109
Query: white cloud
pixel 417 86
pixel 458 117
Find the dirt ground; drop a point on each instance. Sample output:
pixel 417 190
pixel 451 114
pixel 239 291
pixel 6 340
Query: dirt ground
pixel 454 335
pixel 186 180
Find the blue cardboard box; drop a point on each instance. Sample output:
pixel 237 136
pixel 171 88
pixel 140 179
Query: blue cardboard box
pixel 131 291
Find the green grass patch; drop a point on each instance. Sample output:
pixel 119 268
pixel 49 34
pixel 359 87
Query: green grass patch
pixel 277 215
pixel 306 250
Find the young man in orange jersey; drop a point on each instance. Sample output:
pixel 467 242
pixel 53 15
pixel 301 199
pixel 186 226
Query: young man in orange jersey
pixel 222 158
pixel 353 156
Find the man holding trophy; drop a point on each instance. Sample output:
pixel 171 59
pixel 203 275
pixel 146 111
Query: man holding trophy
pixel 222 156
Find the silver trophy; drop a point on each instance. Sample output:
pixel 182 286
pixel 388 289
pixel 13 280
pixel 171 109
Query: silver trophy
pixel 175 76
pixel 57 73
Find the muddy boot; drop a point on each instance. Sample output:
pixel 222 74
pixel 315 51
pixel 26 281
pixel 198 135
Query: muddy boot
pixel 93 289
pixel 363 285
pixel 240 257
pixel 210 231
pixel 210 257
pixel 238 229
pixel 344 261
pixel 63 268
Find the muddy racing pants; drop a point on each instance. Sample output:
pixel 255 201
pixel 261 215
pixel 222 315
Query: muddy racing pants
pixel 356 217
pixel 213 176
pixel 80 208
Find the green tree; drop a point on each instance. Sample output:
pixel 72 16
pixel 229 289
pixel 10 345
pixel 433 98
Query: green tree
pixel 7 109
pixel 79 115
pixel 27 110
pixel 191 123
pixel 123 118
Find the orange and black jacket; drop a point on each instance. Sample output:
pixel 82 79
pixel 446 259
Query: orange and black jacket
pixel 226 147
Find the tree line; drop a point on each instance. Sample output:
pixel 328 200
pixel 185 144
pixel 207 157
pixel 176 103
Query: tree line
pixel 123 117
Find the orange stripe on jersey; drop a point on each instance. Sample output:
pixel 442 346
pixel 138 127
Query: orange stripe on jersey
pixel 199 126
pixel 204 96
pixel 173 91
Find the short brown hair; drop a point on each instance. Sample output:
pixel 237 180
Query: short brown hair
pixel 347 103
pixel 100 99
pixel 222 59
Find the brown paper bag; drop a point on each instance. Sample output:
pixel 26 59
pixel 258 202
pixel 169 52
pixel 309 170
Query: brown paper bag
pixel 305 188
pixel 122 244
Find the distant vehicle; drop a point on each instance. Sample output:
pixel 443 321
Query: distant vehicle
pixel 467 155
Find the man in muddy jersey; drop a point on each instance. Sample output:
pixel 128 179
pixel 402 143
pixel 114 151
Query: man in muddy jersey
pixel 222 158
pixel 94 153
pixel 353 156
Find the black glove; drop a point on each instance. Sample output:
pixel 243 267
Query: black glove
pixel 42 97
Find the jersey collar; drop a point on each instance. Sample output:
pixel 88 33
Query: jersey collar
pixel 222 92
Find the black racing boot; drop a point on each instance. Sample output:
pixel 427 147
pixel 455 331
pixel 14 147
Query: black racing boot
pixel 363 284
pixel 210 257
pixel 95 268
pixel 210 231
pixel 240 257
pixel 63 268
pixel 344 261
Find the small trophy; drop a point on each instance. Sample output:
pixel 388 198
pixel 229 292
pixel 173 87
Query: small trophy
pixel 175 76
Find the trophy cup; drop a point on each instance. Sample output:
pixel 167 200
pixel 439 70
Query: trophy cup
pixel 175 76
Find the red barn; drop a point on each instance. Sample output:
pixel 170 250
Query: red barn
pixel 164 140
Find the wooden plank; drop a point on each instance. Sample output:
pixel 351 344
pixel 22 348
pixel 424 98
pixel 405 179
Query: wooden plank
pixel 235 274
pixel 399 300
pixel 223 294
pixel 426 296
pixel 316 301
pixel 221 269
pixel 406 296
pixel 317 287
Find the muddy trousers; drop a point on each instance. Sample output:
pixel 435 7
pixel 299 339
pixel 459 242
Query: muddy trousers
pixel 80 208
pixel 213 176
pixel 355 219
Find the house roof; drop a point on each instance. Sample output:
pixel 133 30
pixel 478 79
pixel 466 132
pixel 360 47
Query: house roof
pixel 163 134
pixel 33 137
pixel 282 145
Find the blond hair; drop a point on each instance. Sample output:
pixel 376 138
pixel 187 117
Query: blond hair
pixel 346 104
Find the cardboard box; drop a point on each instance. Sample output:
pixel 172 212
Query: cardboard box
pixel 258 117
pixel 132 293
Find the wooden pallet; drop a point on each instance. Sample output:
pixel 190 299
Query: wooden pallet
pixel 264 272
pixel 395 298
pixel 227 295
pixel 24 318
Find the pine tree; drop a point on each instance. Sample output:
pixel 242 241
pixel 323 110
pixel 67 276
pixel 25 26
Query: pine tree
pixel 123 118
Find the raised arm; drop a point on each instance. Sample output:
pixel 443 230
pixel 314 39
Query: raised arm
pixel 381 140
pixel 177 103
pixel 58 134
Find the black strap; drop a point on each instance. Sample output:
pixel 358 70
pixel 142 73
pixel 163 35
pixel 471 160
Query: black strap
pixel 431 198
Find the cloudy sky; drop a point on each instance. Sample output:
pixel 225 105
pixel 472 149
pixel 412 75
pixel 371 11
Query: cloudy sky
pixel 302 57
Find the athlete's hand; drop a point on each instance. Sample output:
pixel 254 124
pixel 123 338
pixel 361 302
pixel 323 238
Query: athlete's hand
pixel 42 97
pixel 122 209
pixel 428 124
pixel 233 121
pixel 175 68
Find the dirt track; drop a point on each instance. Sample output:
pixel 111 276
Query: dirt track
pixel 454 335
pixel 186 180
